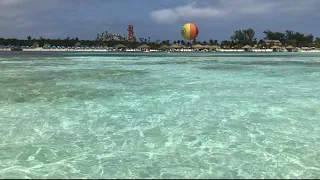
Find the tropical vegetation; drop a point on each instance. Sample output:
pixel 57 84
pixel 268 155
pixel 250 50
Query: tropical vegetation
pixel 239 39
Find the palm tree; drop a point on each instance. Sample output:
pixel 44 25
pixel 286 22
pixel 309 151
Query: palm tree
pixel 261 43
pixel 225 44
pixel 103 36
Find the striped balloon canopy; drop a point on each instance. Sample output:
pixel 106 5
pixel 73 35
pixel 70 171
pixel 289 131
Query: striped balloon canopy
pixel 189 31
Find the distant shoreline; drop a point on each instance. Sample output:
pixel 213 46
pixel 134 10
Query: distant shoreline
pixel 133 50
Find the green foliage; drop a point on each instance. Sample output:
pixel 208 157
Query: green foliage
pixel 289 37
pixel 317 42
pixel 244 37
pixel 239 39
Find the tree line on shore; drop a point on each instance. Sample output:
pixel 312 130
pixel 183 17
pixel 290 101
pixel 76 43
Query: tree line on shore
pixel 239 39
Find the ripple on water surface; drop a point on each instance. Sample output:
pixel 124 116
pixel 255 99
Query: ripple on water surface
pixel 215 116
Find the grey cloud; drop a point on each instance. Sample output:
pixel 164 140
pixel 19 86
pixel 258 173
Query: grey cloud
pixel 20 18
pixel 58 18
pixel 236 9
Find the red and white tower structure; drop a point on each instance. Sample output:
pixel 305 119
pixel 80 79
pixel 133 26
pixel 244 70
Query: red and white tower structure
pixel 130 32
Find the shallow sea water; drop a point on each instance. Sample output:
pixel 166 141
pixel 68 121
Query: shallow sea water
pixel 158 115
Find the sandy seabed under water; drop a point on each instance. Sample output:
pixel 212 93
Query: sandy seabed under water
pixel 212 115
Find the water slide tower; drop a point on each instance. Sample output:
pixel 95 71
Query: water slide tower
pixel 130 33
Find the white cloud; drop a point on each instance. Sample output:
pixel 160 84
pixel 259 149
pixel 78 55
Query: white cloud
pixel 184 12
pixel 233 9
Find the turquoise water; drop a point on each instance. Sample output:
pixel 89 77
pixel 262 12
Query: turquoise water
pixel 157 115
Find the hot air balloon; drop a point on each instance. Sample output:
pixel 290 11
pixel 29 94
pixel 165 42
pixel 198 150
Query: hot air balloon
pixel 189 31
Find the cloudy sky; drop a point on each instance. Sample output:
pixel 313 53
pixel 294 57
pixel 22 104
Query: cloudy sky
pixel 158 19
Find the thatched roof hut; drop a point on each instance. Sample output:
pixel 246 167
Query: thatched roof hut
pixel 275 47
pixel 175 46
pixel 186 46
pixel 143 46
pixel 164 47
pixel 273 42
pixel 290 48
pixel 207 46
pixel 197 46
pixel 247 47
pixel 120 46
pixel 214 47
